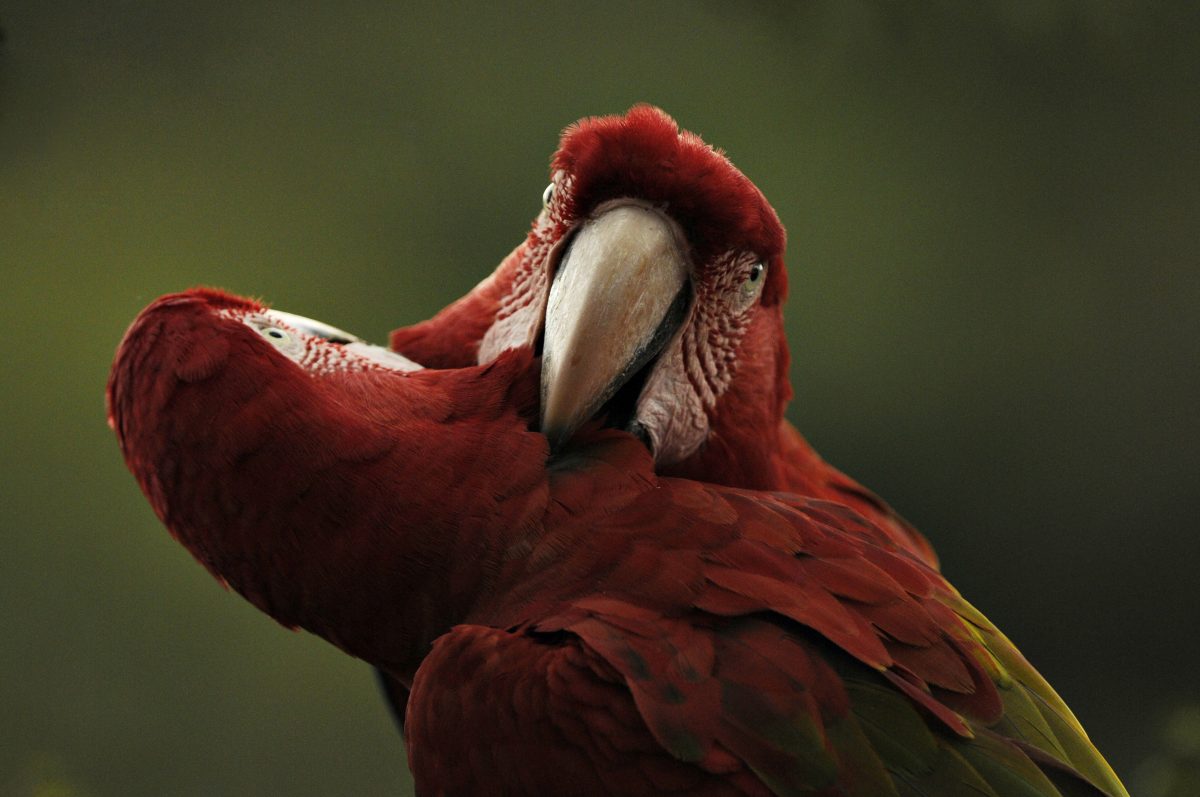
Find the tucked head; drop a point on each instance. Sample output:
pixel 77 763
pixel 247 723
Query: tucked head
pixel 192 332
pixel 281 452
pixel 206 386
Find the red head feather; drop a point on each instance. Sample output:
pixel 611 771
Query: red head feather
pixel 644 154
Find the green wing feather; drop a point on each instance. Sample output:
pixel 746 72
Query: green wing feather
pixel 1033 711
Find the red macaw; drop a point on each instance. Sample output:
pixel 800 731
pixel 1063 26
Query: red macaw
pixel 655 277
pixel 571 623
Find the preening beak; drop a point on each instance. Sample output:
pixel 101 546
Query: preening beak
pixel 310 326
pixel 620 293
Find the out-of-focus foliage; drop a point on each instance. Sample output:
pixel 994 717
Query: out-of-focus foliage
pixel 994 255
pixel 1174 771
pixel 42 776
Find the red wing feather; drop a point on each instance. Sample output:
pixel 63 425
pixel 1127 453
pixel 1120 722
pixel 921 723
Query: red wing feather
pixel 797 608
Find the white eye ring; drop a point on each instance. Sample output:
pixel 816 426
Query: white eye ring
pixel 548 196
pixel 752 286
pixel 277 336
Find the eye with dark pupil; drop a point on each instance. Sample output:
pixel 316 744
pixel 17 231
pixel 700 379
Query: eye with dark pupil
pixel 756 272
pixel 275 333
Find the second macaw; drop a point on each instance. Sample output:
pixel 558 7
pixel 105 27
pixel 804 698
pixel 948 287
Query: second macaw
pixel 654 280
pixel 571 623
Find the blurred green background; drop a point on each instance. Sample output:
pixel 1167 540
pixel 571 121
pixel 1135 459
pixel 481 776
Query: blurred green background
pixel 994 215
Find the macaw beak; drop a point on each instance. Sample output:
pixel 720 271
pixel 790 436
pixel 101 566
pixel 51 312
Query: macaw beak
pixel 310 326
pixel 620 293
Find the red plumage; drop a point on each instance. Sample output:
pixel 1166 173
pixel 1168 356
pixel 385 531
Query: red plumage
pixel 644 155
pixel 576 624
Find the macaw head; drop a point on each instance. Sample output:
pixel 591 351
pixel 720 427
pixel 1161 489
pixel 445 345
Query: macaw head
pixel 226 410
pixel 654 275
pixel 313 472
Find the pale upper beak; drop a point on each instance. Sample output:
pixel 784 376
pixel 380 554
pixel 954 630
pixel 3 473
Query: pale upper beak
pixel 618 296
pixel 380 354
pixel 311 326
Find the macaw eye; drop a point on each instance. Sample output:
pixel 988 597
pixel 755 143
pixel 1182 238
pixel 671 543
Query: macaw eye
pixel 753 284
pixel 548 196
pixel 287 340
pixel 280 337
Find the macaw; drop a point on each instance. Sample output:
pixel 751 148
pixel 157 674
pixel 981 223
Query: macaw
pixel 654 280
pixel 569 622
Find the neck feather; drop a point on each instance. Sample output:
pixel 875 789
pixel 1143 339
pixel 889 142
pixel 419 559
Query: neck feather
pixel 370 509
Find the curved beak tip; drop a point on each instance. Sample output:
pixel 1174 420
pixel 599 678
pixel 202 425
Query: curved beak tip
pixel 618 297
